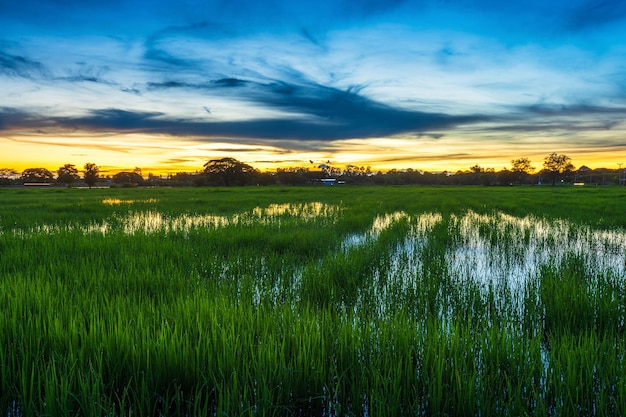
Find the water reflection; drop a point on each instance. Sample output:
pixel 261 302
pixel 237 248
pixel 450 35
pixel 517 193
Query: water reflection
pixel 498 255
pixel 497 249
pixel 304 211
pixel 155 222
pixel 117 201
pixel 380 224
pixel 495 252
pixel 152 221
pixel 405 263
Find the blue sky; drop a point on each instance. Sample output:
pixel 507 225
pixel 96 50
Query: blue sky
pixel 434 84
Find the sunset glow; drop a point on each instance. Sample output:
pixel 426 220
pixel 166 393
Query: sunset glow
pixel 428 85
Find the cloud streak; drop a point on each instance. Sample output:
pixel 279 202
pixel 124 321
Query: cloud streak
pixel 372 122
pixel 321 114
pixel 306 112
pixel 314 111
pixel 20 66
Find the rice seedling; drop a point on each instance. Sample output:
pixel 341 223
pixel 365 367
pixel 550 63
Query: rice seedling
pixel 312 301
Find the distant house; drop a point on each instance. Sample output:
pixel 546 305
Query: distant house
pixel 37 184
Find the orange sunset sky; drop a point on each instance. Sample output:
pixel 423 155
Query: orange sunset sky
pixel 166 86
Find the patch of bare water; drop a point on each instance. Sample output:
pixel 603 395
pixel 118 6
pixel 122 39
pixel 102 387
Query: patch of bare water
pixel 153 221
pixel 495 252
pixel 502 253
pixel 117 201
pixel 311 210
pixel 379 224
pixel 405 260
pixel 498 248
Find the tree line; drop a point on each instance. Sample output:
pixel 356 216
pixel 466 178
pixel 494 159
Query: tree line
pixel 557 168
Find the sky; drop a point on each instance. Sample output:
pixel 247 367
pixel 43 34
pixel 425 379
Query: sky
pixel 436 85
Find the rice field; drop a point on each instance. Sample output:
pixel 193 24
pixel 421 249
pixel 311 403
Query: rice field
pixel 313 301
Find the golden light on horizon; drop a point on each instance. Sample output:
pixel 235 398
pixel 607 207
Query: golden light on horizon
pixel 164 154
pixel 387 88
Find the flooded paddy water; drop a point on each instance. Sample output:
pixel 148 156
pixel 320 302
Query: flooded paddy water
pixel 292 306
pixel 489 251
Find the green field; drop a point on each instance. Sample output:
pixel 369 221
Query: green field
pixel 313 301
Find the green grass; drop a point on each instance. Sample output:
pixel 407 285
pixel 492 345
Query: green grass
pixel 292 315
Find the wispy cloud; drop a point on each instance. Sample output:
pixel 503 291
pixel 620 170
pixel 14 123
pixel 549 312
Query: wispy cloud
pixel 575 110
pixel 311 112
pixel 569 119
pixel 12 118
pixel 20 66
pixel 86 73
pixel 314 111
pixel 159 45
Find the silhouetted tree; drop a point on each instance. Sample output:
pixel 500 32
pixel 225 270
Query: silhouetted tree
pixel 8 173
pixel 127 178
pixel 476 169
pixel 8 176
pixel 555 165
pixel 522 169
pixel 41 175
pixel 292 176
pixel 186 178
pixel 229 171
pixel 91 174
pixel 522 165
pixel 67 174
pixel 506 177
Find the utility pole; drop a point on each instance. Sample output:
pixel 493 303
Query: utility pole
pixel 622 175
